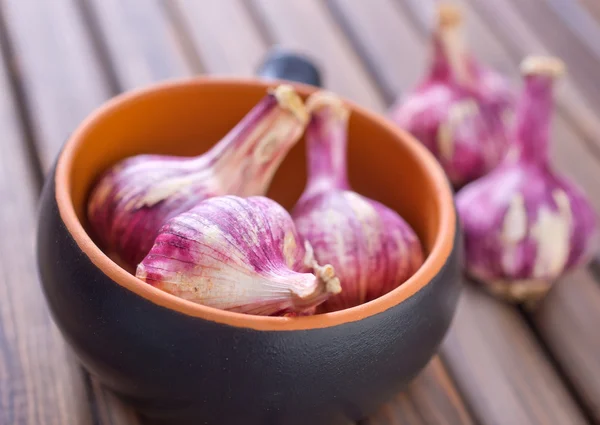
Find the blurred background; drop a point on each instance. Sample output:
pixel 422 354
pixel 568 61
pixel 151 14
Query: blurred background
pixel 60 59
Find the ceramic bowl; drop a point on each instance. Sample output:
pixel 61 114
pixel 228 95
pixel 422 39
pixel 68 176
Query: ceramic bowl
pixel 182 363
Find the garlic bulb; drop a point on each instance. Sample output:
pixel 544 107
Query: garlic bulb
pixel 524 224
pixel 372 249
pixel 240 255
pixel 137 196
pixel 461 110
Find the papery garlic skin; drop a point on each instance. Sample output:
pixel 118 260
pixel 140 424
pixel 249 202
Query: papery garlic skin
pixel 238 254
pixel 525 225
pixel 372 249
pixel 461 111
pixel 137 196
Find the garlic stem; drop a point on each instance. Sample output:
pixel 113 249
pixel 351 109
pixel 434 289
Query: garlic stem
pixel 134 198
pixel 251 147
pixel 287 98
pixel 451 44
pixel 326 136
pixel 535 108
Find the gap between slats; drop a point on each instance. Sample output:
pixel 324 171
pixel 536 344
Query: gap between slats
pixel 18 96
pixel 39 162
pixel 15 95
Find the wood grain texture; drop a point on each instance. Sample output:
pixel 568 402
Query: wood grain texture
pixel 378 31
pixel 509 27
pixel 308 27
pixel 39 381
pixel 223 34
pixel 432 394
pixel 580 55
pixel 568 322
pixel 430 399
pixel 501 370
pixel 58 67
pixel 580 21
pixel 141 43
pixel 593 6
pixel 62 82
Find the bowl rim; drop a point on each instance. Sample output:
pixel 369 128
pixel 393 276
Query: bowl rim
pixel 435 261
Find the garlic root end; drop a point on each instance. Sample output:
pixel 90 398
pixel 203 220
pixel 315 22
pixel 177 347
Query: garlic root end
pixel 525 291
pixel 326 273
pixel 324 99
pixel 288 99
pixel 543 65
pixel 448 15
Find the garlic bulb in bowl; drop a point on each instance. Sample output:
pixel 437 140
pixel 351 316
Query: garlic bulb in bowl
pixel 241 255
pixel 371 247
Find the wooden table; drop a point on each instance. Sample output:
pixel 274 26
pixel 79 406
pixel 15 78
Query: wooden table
pixel 60 59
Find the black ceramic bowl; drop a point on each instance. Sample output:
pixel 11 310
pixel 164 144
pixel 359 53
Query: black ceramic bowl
pixel 182 363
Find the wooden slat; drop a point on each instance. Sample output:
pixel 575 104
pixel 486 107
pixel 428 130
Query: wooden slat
pixel 58 67
pixel 307 26
pixel 39 384
pixel 581 57
pixel 141 44
pixel 593 6
pixel 501 370
pixel 223 34
pixel 110 410
pixel 568 322
pixel 580 21
pixel 432 394
pixel 465 346
pixel 569 154
pixel 62 82
pixel 430 399
pixel 519 40
pixel 375 32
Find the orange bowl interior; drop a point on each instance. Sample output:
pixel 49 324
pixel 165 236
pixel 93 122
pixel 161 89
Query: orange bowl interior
pixel 189 117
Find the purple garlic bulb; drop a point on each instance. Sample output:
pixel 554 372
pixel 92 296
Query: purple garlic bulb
pixel 134 198
pixel 372 249
pixel 461 110
pixel 524 224
pixel 238 254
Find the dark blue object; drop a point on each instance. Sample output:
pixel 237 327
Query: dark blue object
pixel 286 65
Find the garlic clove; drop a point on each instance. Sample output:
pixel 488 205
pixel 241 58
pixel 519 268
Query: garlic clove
pixel 524 224
pixel 372 249
pixel 238 254
pixel 134 198
pixel 461 110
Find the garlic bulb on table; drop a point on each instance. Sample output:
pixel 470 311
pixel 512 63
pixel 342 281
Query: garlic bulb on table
pixel 138 195
pixel 524 224
pixel 372 249
pixel 238 254
pixel 461 110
